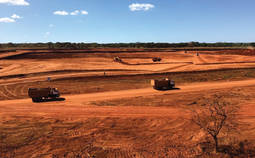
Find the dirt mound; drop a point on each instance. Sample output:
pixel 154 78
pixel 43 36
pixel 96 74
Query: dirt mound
pixel 59 72
pixel 55 54
pixel 45 55
pixel 245 52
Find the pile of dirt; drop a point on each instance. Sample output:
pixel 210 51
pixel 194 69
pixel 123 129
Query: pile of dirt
pixel 245 52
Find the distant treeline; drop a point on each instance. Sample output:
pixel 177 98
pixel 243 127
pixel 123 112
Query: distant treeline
pixel 68 45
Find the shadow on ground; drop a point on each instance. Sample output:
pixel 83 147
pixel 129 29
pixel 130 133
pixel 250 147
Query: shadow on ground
pixel 51 100
pixel 168 89
pixel 244 149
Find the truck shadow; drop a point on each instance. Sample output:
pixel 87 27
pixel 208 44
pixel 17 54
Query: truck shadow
pixel 168 89
pixel 52 99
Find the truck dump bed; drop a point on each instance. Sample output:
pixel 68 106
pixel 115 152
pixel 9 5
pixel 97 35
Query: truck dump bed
pixel 163 84
pixel 38 92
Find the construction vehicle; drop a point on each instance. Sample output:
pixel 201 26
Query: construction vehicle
pixel 156 59
pixel 164 84
pixel 41 94
pixel 117 59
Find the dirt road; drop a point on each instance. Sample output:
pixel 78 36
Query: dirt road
pixel 149 91
pixel 84 98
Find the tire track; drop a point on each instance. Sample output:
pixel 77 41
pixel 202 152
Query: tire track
pixel 130 154
pixel 11 67
pixel 11 94
pixel 200 60
pixel 4 94
pixel 23 92
pixel 176 67
pixel 19 91
pixel 16 90
pixel 126 63
pixel 221 63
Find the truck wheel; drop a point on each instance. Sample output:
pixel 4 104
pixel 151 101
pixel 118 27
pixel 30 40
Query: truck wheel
pixel 40 99
pixel 156 88
pixel 54 98
pixel 34 99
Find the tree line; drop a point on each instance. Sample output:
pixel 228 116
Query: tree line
pixel 69 45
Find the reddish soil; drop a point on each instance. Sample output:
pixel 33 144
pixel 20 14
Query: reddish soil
pixel 124 128
pixel 82 125
pixel 95 62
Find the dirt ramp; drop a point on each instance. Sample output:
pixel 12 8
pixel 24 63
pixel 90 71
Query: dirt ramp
pixel 8 55
pixel 198 59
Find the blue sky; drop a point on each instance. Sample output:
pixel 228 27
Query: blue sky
pixel 106 21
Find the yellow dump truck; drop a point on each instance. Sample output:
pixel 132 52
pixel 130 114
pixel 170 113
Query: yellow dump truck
pixel 164 84
pixel 41 94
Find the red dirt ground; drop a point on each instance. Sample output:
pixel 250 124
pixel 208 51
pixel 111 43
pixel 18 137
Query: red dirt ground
pixel 79 126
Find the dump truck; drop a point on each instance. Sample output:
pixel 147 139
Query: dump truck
pixel 156 59
pixel 164 84
pixel 41 94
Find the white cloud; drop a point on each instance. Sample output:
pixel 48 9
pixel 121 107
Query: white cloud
pixel 7 20
pixel 61 13
pixel 84 12
pixel 47 34
pixel 76 12
pixel 15 2
pixel 11 19
pixel 51 25
pixel 15 16
pixel 140 6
